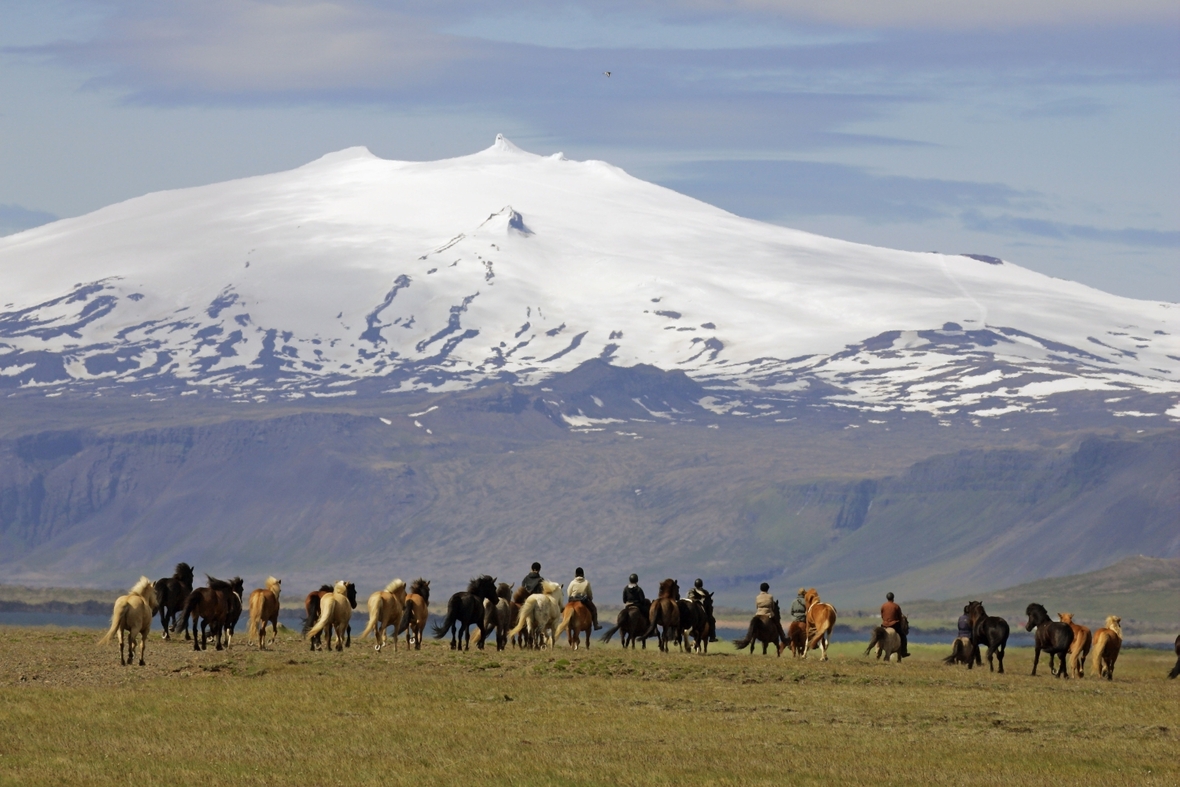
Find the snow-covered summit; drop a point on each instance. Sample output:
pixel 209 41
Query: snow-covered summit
pixel 444 274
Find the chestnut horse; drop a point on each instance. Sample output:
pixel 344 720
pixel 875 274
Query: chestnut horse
pixel 416 613
pixel 133 614
pixel 821 622
pixel 1080 648
pixel 797 637
pixel 264 608
pixel 665 614
pixel 575 619
pixel 1054 638
pixel 1107 642
pixel 385 609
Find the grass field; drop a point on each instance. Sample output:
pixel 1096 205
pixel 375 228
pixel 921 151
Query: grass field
pixel 69 714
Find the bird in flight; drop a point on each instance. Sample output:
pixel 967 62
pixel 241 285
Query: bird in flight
pixel 607 73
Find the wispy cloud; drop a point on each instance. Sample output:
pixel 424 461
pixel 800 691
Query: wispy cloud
pixel 1007 224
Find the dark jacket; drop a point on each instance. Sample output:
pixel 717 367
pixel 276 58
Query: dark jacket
pixel 965 626
pixel 633 594
pixel 532 583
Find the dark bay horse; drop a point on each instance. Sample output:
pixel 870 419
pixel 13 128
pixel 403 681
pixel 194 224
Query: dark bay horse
pixel 209 607
pixel 766 630
pixel 233 612
pixel 416 612
pixel 986 630
pixel 171 593
pixel 694 622
pixel 632 623
pixel 1176 670
pixel 465 609
pixel 665 614
pixel 311 607
pixel 1052 636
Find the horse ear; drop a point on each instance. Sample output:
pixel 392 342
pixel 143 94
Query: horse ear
pixel 494 580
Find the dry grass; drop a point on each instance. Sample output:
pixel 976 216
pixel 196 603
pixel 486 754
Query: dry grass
pixel 69 714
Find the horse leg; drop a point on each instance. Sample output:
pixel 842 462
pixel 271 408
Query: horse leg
pixel 1036 658
pixel 143 644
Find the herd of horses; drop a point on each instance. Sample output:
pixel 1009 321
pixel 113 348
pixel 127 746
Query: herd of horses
pixel 537 620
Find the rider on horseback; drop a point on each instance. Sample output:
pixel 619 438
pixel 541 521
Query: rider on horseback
pixel 965 624
pixel 799 607
pixel 699 594
pixel 891 619
pixel 579 590
pixel 634 595
pixel 764 602
pixel 532 581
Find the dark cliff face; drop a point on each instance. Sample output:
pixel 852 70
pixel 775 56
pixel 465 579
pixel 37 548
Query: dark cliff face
pixel 318 494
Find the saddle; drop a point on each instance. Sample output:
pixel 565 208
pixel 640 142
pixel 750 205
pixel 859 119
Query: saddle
pixel 579 597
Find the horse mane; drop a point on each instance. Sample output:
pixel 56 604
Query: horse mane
pixel 324 589
pixel 182 570
pixel 1065 617
pixel 1113 623
pixel 421 587
pixel 504 591
pixel 140 587
pixel 238 585
pixel 395 586
pixel 219 584
pixel 478 582
pixel 274 585
pixel 667 588
pixel 341 587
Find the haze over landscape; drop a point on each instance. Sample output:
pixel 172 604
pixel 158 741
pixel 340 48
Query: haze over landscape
pixel 356 364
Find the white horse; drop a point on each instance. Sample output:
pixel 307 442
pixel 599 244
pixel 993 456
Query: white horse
pixel 540 614
pixel 133 614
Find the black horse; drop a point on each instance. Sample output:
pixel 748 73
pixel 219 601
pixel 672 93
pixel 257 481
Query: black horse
pixel 765 630
pixel 233 608
pixel 464 610
pixel 632 624
pixel 694 622
pixel 986 630
pixel 1176 670
pixel 1052 636
pixel 172 592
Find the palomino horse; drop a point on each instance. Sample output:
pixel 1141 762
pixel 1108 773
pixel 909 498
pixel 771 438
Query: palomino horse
pixel 539 616
pixel 1175 670
pixel 172 592
pixel 416 613
pixel 1055 638
pixel 311 607
pixel 821 622
pixel 665 614
pixel 765 630
pixel 888 641
pixel 209 607
pixel 464 610
pixel 1107 642
pixel 385 609
pixel 632 622
pixel 986 630
pixel 576 618
pixel 264 608
pixel 335 611
pixel 133 615
pixel 1080 648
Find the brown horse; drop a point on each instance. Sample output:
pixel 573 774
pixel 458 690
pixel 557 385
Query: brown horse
pixel 416 613
pixel 1107 642
pixel 1080 649
pixel 632 623
pixel 821 622
pixel 264 608
pixel 766 630
pixel 575 619
pixel 665 614
pixel 210 607
pixel 385 609
pixel 133 614
pixel 797 637
pixel 1176 670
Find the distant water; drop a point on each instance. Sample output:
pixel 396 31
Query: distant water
pixel 54 619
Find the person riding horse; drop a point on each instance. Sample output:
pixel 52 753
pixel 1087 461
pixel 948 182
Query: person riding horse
pixel 532 582
pixel 891 619
pixel 633 594
pixel 579 590
pixel 764 602
pixel 965 626
pixel 705 598
pixel 799 607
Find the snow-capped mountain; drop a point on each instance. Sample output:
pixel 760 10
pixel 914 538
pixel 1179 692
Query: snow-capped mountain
pixel 504 264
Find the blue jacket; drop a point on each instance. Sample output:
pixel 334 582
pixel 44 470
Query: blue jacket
pixel 965 626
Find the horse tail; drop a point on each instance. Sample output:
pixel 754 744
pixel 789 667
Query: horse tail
pixel 610 632
pixel 877 632
pixel 566 615
pixel 406 618
pixel 374 614
pixel 655 618
pixel 1100 639
pixel 526 614
pixel 327 606
pixel 441 631
pixel 118 618
pixel 744 642
pixel 312 608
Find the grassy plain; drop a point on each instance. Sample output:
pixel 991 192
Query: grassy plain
pixel 69 714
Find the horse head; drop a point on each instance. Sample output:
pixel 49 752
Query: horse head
pixel 483 587
pixel 274 585
pixel 350 593
pixel 1113 622
pixel 184 572
pixel 504 591
pixel 669 588
pixel 1037 616
pixel 553 590
pixel 421 587
pixel 1065 617
pixel 238 586
pixel 811 598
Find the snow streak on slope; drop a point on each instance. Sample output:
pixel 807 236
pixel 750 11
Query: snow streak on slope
pixel 506 264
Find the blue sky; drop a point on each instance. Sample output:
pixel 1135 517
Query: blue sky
pixel 1045 133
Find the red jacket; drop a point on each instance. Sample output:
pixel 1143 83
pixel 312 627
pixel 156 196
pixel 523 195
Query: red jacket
pixel 890 615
